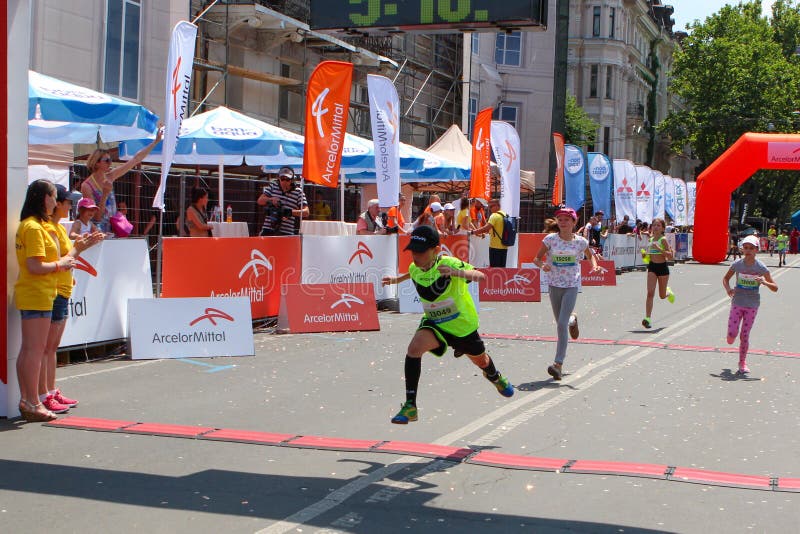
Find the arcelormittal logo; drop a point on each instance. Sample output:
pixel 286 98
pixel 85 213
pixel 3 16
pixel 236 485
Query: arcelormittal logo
pixel 347 299
pixel 211 315
pixel 518 279
pixel 361 251
pixel 83 265
pixel 257 260
pixel 317 110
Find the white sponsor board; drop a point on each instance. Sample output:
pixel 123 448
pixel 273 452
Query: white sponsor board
pixel 351 259
pixel 622 250
pixel 106 276
pixel 479 252
pixel 410 303
pixel 190 327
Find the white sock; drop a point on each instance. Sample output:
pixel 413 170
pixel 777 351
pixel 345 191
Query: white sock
pixel 43 397
pixel 52 392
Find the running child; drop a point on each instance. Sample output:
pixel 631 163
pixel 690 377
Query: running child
pixel 564 249
pixel 659 251
pixel 781 244
pixel 750 274
pixel 450 317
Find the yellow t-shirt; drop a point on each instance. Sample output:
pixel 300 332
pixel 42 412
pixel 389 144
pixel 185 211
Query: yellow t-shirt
pixel 64 279
pixel 462 219
pixel 34 291
pixel 496 220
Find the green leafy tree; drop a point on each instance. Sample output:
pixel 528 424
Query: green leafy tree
pixel 737 72
pixel 581 129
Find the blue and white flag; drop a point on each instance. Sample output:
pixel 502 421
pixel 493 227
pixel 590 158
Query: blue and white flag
pixel 574 177
pixel 669 197
pixel 691 193
pixel 384 110
pixel 600 182
pixel 681 206
pixel 659 197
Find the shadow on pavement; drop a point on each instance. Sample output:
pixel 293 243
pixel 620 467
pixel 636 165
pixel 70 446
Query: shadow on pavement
pixel 543 384
pixel 727 375
pixel 273 497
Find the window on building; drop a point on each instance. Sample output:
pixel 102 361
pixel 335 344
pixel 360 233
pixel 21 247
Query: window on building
pixel 593 82
pixel 475 43
pixel 508 49
pixel 596 21
pixel 473 113
pixel 612 20
pixel 508 113
pixel 123 22
pixel 290 101
pixel 609 78
pixel 607 140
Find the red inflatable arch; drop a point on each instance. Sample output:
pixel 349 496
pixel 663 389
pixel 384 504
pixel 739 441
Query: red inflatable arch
pixel 753 151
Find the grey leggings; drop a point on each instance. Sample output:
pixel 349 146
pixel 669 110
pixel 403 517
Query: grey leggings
pixel 562 300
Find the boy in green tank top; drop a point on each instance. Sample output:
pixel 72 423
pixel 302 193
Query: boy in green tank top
pixel 450 317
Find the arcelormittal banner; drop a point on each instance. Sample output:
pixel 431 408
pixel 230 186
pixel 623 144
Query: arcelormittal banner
pixel 558 179
pixel 327 105
pixel 505 145
pixel 600 182
pixel 574 177
pixel 384 109
pixel 480 178
pixel 179 81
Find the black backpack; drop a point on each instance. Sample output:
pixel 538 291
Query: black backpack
pixel 508 237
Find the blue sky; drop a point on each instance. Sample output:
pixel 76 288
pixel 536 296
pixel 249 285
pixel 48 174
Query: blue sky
pixel 687 11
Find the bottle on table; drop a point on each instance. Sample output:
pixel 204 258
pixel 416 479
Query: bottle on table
pixel 229 214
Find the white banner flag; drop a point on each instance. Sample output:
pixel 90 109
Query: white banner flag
pixel 179 80
pixel 624 194
pixel 384 109
pixel 505 145
pixel 681 207
pixel 691 192
pixel 659 199
pixel 669 198
pixel 644 193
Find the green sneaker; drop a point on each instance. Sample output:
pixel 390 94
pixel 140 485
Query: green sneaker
pixel 408 412
pixel 646 322
pixel 503 386
pixel 670 295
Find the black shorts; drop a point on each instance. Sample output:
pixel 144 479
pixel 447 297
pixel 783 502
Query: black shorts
pixel 660 269
pixel 471 344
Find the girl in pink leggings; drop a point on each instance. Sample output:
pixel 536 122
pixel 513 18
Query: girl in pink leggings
pixel 750 275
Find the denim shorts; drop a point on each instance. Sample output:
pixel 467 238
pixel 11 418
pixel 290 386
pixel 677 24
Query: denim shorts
pixel 36 314
pixel 60 306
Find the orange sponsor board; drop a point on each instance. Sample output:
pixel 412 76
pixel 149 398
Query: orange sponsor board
pixel 253 267
pixel 456 246
pixel 510 285
pixel 528 246
pixel 328 308
pixel 607 276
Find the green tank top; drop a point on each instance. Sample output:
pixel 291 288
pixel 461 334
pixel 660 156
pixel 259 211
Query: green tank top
pixel 445 299
pixel 654 245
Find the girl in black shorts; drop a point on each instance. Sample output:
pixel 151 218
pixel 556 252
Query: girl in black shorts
pixel 657 270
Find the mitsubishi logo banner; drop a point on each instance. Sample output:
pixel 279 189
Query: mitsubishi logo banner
pixel 624 195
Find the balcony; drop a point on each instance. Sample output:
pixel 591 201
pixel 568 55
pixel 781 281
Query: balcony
pixel 636 110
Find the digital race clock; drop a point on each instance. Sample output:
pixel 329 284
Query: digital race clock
pixel 426 15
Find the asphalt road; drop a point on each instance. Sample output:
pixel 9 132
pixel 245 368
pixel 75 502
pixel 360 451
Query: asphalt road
pixel 625 403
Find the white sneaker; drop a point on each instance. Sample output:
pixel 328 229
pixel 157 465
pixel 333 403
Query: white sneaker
pixel 573 326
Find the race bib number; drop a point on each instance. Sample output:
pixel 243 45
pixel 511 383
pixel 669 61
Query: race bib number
pixel 441 311
pixel 563 259
pixel 747 281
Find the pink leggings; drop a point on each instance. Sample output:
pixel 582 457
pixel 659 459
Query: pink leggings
pixel 747 316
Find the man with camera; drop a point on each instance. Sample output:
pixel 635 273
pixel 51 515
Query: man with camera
pixel 285 205
pixel 373 222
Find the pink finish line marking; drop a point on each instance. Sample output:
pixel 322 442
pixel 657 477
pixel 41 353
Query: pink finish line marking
pixel 463 455
pixel 645 344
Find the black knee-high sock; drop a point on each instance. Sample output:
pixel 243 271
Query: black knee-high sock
pixel 413 369
pixel 491 373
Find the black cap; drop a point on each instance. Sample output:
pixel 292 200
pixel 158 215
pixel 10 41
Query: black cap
pixel 62 194
pixel 423 238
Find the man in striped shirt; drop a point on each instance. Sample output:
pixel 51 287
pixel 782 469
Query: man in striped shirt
pixel 285 204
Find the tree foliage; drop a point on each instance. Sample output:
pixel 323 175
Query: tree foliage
pixel 738 72
pixel 581 129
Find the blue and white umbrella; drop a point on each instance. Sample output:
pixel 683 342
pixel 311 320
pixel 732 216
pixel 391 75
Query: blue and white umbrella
pixel 64 113
pixel 225 137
